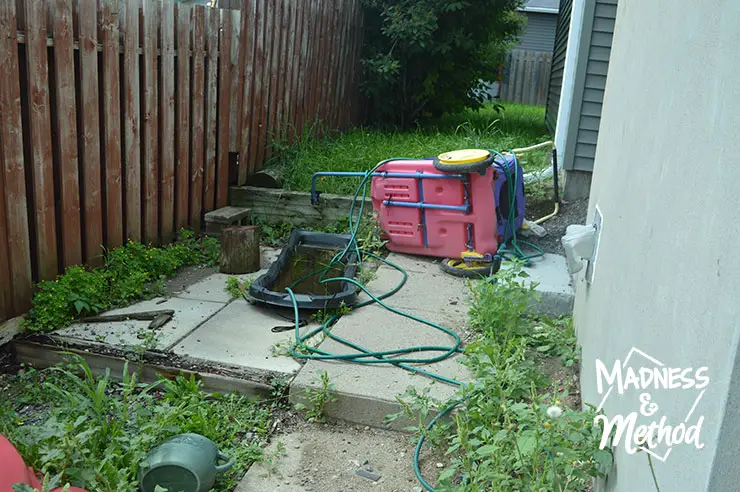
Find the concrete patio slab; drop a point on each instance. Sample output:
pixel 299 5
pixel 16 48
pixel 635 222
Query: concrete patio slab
pixel 366 393
pixel 240 335
pixel 432 291
pixel 555 290
pixel 213 286
pixel 188 315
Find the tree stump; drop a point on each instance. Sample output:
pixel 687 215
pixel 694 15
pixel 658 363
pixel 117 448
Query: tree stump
pixel 267 178
pixel 240 250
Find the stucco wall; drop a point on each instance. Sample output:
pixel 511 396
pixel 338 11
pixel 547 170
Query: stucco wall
pixel 667 276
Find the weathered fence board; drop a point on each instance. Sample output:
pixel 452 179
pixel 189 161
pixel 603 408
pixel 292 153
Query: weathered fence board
pixel 121 119
pixel 111 124
pixel 224 120
pixel 39 126
pixel 17 240
pixel 167 123
pixel 150 168
pixel 92 206
pixel 209 176
pixel 66 135
pixel 182 117
pixel 197 96
pixel 131 121
pixel 526 76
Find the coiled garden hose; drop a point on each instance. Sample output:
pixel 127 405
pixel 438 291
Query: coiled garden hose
pixel 512 245
pixel 401 358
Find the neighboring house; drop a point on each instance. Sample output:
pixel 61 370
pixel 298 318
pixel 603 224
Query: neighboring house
pixel 542 22
pixel 577 80
pixel 666 277
pixel 526 74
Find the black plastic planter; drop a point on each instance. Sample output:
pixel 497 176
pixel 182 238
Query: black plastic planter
pixel 302 263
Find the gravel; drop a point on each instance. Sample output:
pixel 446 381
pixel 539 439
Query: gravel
pixel 573 212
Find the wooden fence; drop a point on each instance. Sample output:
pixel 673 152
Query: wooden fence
pixel 526 76
pixel 130 118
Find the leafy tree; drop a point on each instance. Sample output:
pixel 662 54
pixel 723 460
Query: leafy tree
pixel 426 57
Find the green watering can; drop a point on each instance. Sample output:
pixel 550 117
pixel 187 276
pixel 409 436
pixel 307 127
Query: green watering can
pixel 183 463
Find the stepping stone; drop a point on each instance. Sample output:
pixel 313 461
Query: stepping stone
pixel 366 393
pixel 240 336
pixel 189 313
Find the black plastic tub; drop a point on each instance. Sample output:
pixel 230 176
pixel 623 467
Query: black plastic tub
pixel 305 254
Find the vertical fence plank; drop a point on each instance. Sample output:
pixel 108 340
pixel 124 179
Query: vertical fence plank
pixel 111 124
pixel 333 47
pixel 66 135
pixel 209 177
pixel 296 74
pixel 256 150
pixel 286 33
pixel 237 72
pixel 343 42
pixel 319 45
pixel 89 114
pixel 224 113
pixel 131 119
pixel 182 116
pixel 273 50
pixel 13 168
pixel 167 123
pixel 248 40
pixel 40 140
pixel 150 159
pixel 197 117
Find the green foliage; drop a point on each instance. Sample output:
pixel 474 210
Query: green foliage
pixel 130 272
pixel 511 430
pixel 361 148
pixel 93 432
pixel 48 483
pixel 556 338
pixel 429 57
pixel 237 288
pixel 318 398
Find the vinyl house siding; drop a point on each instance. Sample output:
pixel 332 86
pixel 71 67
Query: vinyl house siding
pixel 539 35
pixel 592 65
pixel 558 64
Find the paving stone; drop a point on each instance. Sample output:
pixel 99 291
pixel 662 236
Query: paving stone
pixel 240 335
pixel 188 315
pixel 366 393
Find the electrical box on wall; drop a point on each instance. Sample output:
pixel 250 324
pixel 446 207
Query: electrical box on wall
pixel 581 244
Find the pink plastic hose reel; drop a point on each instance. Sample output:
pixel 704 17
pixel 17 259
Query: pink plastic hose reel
pixel 462 211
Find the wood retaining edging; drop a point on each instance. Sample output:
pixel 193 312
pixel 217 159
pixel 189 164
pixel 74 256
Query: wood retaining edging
pixel 273 206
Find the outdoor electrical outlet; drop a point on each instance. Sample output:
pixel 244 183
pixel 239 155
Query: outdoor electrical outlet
pixel 580 243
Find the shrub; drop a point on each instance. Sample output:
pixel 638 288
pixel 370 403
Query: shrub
pixel 130 272
pixel 428 57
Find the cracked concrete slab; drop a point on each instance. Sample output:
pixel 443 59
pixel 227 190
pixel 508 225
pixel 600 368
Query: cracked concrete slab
pixel 240 335
pixel 366 393
pixel 188 315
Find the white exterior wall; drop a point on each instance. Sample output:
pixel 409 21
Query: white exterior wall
pixel 667 276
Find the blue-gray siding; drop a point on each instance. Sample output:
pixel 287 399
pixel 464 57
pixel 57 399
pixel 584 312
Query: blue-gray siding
pixel 591 70
pixel 558 65
pixel 539 35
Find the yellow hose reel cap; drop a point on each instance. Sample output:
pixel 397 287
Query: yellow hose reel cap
pixel 467 156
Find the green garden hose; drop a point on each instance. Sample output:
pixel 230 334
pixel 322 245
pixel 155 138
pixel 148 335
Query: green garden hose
pixel 400 357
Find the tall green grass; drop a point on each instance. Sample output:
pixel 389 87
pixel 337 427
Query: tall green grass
pixel 361 148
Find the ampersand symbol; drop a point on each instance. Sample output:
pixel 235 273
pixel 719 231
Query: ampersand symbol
pixel 647 408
